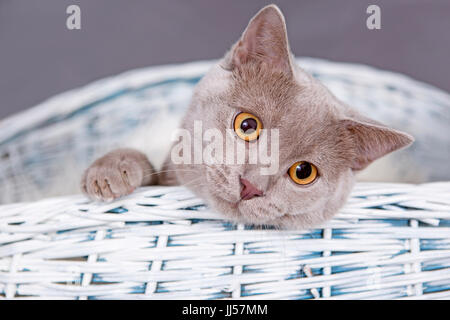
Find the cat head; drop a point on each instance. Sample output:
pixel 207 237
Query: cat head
pixel 322 142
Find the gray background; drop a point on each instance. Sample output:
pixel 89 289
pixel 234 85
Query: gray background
pixel 39 57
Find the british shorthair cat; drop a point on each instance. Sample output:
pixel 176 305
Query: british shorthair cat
pixel 257 87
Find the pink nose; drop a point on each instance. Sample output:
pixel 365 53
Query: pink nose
pixel 249 191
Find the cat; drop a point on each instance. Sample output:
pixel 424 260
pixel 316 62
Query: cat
pixel 323 143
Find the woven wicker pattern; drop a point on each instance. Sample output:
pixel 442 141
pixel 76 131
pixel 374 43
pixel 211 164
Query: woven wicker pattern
pixel 73 128
pixel 390 241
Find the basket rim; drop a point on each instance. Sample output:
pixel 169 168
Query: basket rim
pixel 63 103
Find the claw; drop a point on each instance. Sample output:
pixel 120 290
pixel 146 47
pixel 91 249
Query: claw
pixel 97 189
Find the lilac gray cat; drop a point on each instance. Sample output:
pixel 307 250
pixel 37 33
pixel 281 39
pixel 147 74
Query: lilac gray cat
pixel 257 86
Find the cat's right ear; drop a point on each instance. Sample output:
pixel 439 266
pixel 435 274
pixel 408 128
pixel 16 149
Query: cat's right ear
pixel 370 141
pixel 263 41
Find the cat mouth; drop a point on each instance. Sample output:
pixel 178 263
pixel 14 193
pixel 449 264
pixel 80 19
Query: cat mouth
pixel 251 212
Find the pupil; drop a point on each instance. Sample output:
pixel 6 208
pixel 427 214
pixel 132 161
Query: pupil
pixel 249 125
pixel 303 170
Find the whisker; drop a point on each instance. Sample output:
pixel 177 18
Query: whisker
pixel 164 171
pixel 192 181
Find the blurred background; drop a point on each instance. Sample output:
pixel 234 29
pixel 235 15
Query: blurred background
pixel 40 57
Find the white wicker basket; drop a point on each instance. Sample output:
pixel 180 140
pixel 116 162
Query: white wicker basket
pixel 390 241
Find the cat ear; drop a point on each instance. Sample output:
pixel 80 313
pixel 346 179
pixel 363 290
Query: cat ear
pixel 371 140
pixel 264 40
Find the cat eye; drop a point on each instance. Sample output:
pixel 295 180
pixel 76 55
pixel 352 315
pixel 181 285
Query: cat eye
pixel 303 172
pixel 247 126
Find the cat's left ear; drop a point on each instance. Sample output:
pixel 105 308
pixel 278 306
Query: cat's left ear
pixel 369 141
pixel 264 40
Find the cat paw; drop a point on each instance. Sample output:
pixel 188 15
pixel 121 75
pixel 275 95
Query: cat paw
pixel 116 174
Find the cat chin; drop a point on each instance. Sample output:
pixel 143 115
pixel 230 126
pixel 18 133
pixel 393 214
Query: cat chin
pixel 251 212
pixel 259 211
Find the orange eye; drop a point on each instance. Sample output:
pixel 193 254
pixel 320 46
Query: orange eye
pixel 247 126
pixel 303 172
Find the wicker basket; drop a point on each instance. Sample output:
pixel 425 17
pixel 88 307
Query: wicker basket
pixel 389 241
